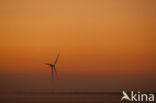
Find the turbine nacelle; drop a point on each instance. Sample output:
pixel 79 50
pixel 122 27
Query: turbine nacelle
pixel 52 65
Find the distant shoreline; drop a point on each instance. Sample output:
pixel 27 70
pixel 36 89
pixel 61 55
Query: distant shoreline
pixel 70 93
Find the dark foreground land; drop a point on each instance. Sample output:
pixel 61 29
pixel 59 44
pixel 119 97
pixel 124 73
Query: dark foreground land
pixel 61 97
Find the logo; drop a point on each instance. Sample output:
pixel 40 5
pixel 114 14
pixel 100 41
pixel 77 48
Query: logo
pixel 137 96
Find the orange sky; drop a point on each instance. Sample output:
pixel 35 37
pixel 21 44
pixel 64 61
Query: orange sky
pixel 95 37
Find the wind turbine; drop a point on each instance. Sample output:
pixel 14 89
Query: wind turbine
pixel 52 66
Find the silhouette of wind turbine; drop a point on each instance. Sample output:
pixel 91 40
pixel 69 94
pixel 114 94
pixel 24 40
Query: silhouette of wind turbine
pixel 52 67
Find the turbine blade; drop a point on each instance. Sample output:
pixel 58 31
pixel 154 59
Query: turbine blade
pixel 55 69
pixel 57 58
pixel 52 74
pixel 56 72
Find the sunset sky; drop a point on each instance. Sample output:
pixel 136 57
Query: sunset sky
pixel 105 45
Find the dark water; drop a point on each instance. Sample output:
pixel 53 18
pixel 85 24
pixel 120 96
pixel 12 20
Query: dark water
pixel 60 98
